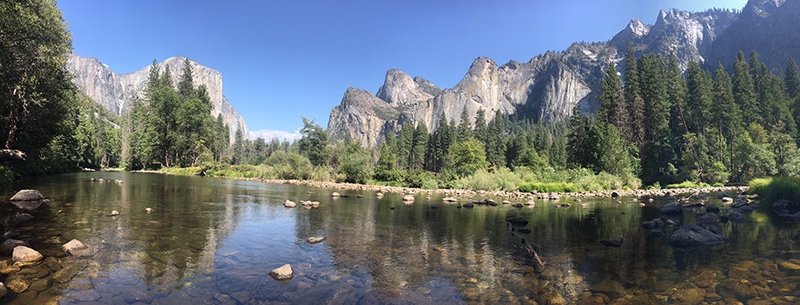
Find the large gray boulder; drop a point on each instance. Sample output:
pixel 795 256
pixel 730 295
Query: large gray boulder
pixel 671 208
pixel 27 195
pixel 691 235
pixel 26 255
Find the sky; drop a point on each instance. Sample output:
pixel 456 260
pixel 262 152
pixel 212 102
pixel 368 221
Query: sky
pixel 283 60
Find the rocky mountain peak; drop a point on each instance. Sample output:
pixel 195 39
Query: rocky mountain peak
pixel 117 92
pixel 400 89
pixel 762 8
pixel 479 76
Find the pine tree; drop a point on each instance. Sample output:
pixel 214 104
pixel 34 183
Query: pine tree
pixel 479 132
pixel 656 154
pixel 676 94
pixel 633 99
pixel 404 144
pixel 792 84
pixel 726 117
pixel 495 141
pixel 743 91
pixel 419 143
pixel 578 139
pixel 612 100
pixel 464 126
pixel 314 143
pixel 699 98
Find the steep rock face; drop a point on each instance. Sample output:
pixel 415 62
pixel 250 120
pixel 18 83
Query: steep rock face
pixel 362 117
pixel 117 92
pixel 547 88
pixel 770 27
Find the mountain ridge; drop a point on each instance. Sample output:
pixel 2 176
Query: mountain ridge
pixel 117 92
pixel 549 85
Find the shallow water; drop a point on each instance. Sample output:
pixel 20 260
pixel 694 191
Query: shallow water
pixel 214 241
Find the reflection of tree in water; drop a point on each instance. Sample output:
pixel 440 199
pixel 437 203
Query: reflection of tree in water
pixel 176 241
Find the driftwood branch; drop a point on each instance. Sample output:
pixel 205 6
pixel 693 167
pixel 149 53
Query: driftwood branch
pixel 528 245
pixel 11 154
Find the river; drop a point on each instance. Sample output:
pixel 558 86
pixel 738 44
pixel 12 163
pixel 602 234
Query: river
pixel 215 241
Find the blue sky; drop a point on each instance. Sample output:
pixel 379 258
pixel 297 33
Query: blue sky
pixel 281 60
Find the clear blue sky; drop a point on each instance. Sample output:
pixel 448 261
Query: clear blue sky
pixel 281 60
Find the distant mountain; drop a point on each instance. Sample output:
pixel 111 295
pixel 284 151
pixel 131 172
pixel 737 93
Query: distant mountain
pixel 117 92
pixel 547 87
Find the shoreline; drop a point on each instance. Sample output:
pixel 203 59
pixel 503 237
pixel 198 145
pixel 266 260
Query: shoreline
pixel 464 193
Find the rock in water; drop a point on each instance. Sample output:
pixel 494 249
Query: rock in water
pixel 671 208
pixel 26 255
pixel 335 195
pixel 691 235
pixel 315 240
pixel 408 198
pixel 27 195
pixel 289 204
pixel 7 247
pixel 77 248
pixel 515 220
pixel 615 242
pixel 282 273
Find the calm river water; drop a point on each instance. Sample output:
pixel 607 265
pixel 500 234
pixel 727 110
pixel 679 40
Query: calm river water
pixel 214 241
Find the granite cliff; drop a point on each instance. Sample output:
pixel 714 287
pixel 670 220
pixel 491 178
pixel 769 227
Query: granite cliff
pixel 117 92
pixel 550 85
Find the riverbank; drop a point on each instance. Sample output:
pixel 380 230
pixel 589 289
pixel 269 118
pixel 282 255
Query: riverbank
pixel 467 193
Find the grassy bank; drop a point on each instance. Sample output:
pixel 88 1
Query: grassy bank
pixel 503 179
pixel 775 188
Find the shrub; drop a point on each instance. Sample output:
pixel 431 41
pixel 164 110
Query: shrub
pixel 772 189
pixel 547 187
pixel 422 179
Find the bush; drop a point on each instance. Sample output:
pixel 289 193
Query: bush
pixel 422 179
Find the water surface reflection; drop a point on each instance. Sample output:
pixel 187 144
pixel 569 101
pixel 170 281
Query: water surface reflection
pixel 215 241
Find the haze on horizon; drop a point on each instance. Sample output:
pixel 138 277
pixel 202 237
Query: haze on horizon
pixel 281 61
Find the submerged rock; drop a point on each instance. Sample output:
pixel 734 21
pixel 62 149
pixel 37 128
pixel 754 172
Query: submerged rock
pixel 26 255
pixel 315 240
pixel 671 208
pixel 784 207
pixel 691 235
pixel 654 224
pixel 515 220
pixel 609 287
pixel 9 244
pixel 27 195
pixel 282 273
pixel 615 242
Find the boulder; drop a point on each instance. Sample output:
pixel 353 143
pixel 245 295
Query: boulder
pixel 736 217
pixel 408 198
pixel 289 204
pixel 66 273
pixel 515 220
pixel 27 195
pixel 9 244
pixel 449 199
pixel 784 207
pixel 738 204
pixel 524 230
pixel 688 296
pixel 282 273
pixel 73 245
pixel 3 290
pixel 28 205
pixel 654 224
pixel 712 209
pixel 691 235
pixel 469 205
pixel 671 208
pixel 727 200
pixel 614 242
pixel 26 255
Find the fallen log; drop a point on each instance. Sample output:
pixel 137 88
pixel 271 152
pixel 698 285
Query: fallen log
pixel 11 154
pixel 528 245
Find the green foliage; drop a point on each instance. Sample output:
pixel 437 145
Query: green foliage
pixel 467 157
pixel 772 189
pixel 422 179
pixel 289 165
pixel 547 187
pixel 355 164
pixel 314 142
pixel 686 185
pixel 500 180
pixel 38 112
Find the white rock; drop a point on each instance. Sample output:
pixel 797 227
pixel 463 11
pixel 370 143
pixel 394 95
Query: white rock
pixel 114 213
pixel 315 240
pixel 73 245
pixel 408 198
pixel 25 254
pixel 335 194
pixel 282 273
pixel 289 204
pixel 27 195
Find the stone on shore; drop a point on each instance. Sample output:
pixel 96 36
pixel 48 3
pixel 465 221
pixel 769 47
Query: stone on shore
pixel 27 195
pixel 26 255
pixel 315 240
pixel 282 273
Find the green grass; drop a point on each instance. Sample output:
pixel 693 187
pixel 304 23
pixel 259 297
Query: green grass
pixel 775 188
pixel 547 187
pixel 687 185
